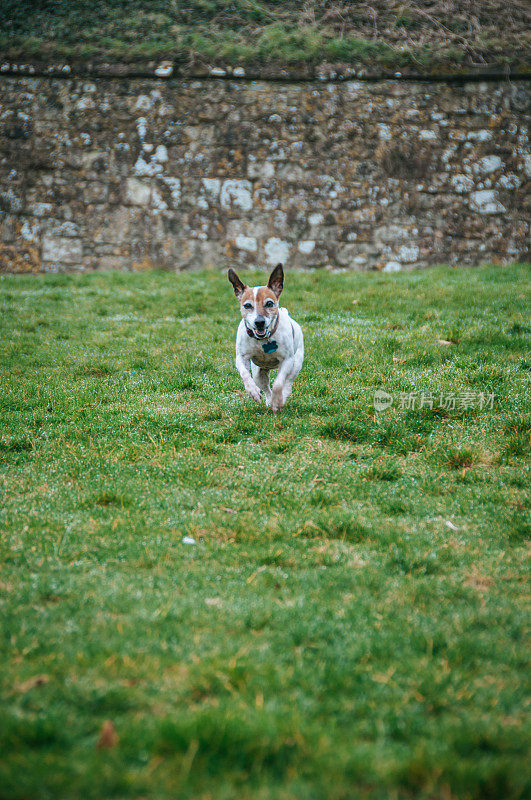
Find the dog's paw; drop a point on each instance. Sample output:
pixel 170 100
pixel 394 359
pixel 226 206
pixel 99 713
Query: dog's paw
pixel 276 399
pixel 253 391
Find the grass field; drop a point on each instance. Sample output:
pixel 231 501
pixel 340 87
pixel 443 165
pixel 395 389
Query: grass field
pixel 350 622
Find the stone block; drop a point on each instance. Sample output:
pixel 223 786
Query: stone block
pixel 21 257
pixel 276 251
pixel 315 255
pixel 137 192
pixel 61 250
pixel 247 243
pixel 236 194
pixel 486 202
pixel 487 164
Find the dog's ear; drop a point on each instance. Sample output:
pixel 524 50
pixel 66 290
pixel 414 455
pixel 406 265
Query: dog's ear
pixel 276 280
pixel 237 285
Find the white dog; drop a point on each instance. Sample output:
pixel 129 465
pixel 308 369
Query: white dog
pixel 267 338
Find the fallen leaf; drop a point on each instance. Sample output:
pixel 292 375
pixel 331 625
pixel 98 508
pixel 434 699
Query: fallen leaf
pixel 251 578
pixel 444 341
pixel 32 683
pixel 384 677
pixel 108 736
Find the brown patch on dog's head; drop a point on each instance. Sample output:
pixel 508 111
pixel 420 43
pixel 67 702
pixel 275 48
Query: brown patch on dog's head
pixel 258 303
pixel 266 302
pixel 247 295
pixel 237 285
pixel 276 280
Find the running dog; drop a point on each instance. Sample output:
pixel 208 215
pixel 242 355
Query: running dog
pixel 267 338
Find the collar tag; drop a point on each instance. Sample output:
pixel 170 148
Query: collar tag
pixel 270 347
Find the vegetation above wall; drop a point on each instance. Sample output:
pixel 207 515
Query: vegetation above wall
pixel 426 37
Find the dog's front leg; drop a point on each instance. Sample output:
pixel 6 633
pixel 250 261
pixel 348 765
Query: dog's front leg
pixel 261 378
pixel 277 395
pixel 242 365
pixel 295 368
pixel 287 373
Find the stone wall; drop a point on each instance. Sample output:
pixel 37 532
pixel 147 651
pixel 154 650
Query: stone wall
pixel 138 173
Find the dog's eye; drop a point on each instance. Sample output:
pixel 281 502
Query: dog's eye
pixel 247 305
pixel 269 304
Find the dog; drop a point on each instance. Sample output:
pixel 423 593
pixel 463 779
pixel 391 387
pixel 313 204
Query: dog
pixel 267 338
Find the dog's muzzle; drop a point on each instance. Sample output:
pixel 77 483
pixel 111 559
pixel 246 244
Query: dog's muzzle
pixel 260 327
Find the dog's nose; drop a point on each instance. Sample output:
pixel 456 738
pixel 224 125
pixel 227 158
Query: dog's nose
pixel 259 323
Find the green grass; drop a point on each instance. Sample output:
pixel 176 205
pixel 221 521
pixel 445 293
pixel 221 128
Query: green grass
pixel 351 620
pixel 427 38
